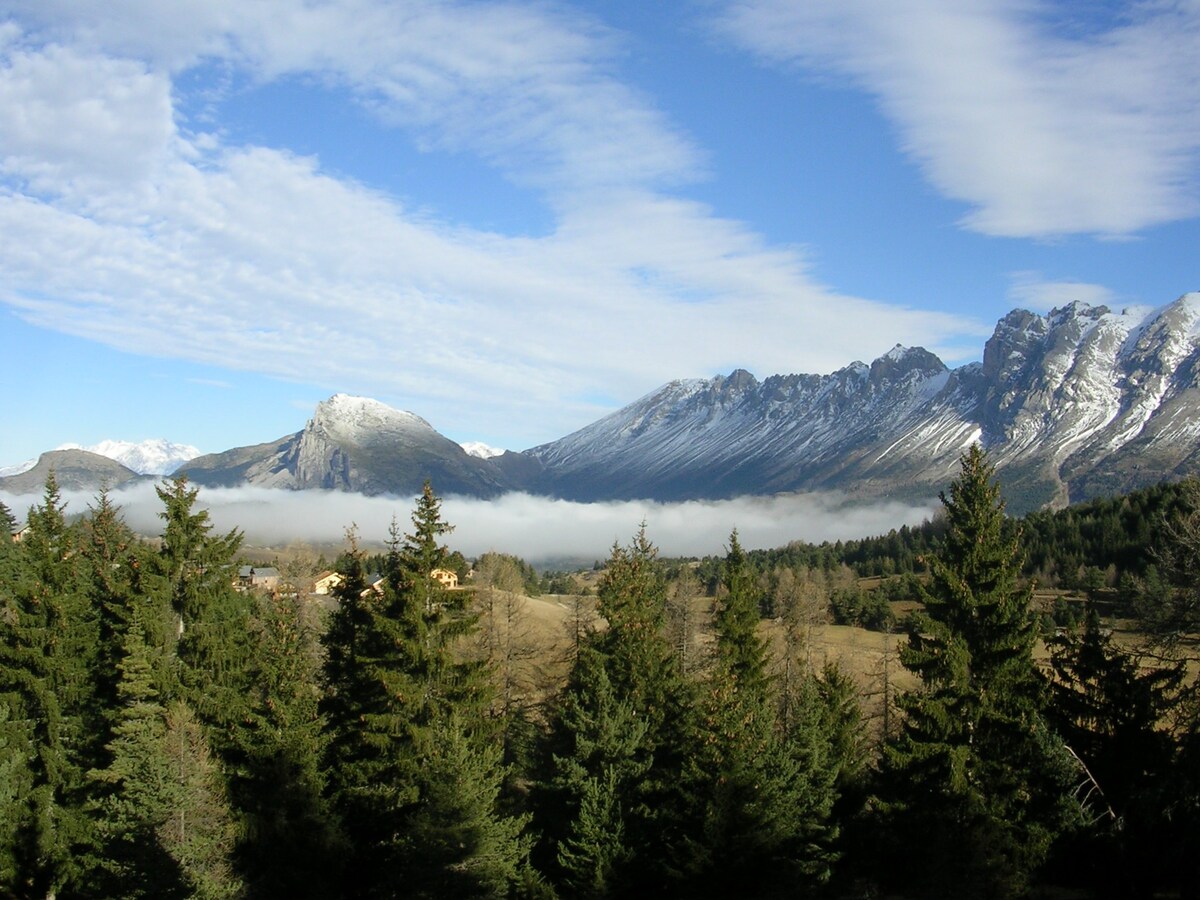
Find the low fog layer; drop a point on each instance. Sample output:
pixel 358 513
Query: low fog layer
pixel 536 528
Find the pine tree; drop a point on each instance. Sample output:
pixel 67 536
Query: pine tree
pixel 47 642
pixel 394 691
pixel 975 771
pixel 585 773
pixel 763 795
pixel 1109 711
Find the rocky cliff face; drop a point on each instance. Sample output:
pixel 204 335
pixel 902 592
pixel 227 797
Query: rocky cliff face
pixel 356 444
pixel 1080 402
pixel 1075 403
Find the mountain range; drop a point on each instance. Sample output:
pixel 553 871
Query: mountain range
pixel 1076 403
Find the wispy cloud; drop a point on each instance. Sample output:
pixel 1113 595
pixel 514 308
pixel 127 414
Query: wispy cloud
pixel 535 528
pixel 1043 130
pixel 1033 291
pixel 155 236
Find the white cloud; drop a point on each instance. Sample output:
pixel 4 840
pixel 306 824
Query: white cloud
pixel 74 124
pixel 535 528
pixel 253 258
pixel 1044 133
pixel 1032 291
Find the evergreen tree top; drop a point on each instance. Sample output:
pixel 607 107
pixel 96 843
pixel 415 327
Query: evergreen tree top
pixel 739 647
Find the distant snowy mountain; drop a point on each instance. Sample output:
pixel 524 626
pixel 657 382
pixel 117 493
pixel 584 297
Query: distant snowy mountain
pixel 18 469
pixel 1077 403
pixel 150 457
pixel 356 444
pixel 481 450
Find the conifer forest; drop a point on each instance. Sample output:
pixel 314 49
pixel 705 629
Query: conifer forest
pixel 165 734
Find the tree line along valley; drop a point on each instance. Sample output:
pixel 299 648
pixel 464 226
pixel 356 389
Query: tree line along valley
pixel 978 707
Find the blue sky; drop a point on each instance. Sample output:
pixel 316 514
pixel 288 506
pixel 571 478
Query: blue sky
pixel 512 218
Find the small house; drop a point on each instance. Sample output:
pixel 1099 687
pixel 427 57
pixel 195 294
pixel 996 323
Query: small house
pixel 326 582
pixel 447 578
pixel 262 577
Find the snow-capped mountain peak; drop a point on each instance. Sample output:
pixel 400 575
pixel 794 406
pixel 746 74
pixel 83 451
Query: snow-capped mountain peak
pixel 480 450
pixel 361 419
pixel 154 456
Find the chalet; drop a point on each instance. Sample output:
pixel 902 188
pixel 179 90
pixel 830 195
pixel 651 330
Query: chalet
pixel 447 578
pixel 19 534
pixel 326 582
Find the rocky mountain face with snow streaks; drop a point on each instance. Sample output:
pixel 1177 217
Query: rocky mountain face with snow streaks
pixel 1080 402
pixel 355 444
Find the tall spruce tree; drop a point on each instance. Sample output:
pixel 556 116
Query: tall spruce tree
pixel 8 526
pixel 763 794
pixel 1110 711
pixel 976 772
pixel 288 839
pixel 47 644
pixel 200 833
pixel 136 792
pixel 114 560
pixel 401 707
pixel 598 757
pixel 195 570
pixel 1169 607
pixel 617 805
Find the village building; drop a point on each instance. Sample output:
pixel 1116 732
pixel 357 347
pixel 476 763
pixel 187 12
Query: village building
pixel 326 582
pixel 262 577
pixel 447 578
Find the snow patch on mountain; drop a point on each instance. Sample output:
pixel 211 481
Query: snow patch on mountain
pixel 480 450
pixel 17 469
pixel 363 420
pixel 155 456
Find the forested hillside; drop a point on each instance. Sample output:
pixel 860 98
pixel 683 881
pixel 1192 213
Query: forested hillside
pixel 164 734
pixel 1121 535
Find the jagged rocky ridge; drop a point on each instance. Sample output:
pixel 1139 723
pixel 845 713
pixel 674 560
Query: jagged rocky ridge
pixel 1080 402
pixel 1077 403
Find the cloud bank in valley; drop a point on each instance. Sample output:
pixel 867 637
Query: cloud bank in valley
pixel 536 528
